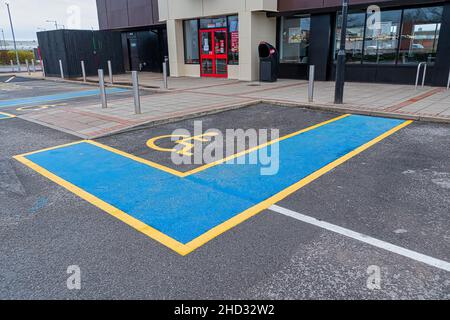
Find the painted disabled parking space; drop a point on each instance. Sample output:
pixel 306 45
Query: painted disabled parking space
pixel 56 97
pixel 184 210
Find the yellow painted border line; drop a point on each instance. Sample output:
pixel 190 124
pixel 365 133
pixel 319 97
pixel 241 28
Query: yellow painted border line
pixel 196 170
pixel 239 154
pixel 184 249
pixel 51 148
pixel 227 225
pixel 8 115
pixel 138 159
pixel 124 217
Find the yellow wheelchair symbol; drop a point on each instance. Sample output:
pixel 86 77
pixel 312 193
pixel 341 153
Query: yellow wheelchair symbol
pixel 183 140
pixel 42 107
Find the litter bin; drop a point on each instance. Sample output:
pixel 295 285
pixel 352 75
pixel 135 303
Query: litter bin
pixel 268 59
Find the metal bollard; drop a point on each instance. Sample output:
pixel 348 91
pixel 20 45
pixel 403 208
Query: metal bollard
pixel 33 64
pixel 424 74
pixel 137 97
pixel 311 83
pixel 43 68
pixel 111 81
pixel 83 71
pixel 166 85
pixel 418 74
pixel 448 81
pixel 12 66
pixel 101 81
pixel 28 66
pixel 61 69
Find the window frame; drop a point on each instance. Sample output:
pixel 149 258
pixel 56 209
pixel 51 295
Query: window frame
pixel 400 35
pixel 363 38
pixel 230 61
pixel 436 34
pixel 280 38
pixel 184 41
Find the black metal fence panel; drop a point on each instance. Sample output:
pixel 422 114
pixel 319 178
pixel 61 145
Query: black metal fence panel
pixel 95 48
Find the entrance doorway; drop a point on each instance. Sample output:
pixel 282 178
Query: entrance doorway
pixel 144 50
pixel 214 53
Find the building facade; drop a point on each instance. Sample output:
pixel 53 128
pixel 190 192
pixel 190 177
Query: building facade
pixel 408 32
pixel 144 36
pixel 216 38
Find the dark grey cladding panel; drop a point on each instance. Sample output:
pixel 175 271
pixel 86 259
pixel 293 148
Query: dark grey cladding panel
pixel 102 15
pixel 155 11
pixel 140 12
pixel 298 5
pixel 115 14
pixel 117 11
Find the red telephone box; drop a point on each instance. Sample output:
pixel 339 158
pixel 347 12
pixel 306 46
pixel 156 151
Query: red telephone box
pixel 214 53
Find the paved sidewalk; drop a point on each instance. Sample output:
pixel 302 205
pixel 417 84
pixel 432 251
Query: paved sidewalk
pixel 92 121
pixel 371 98
pixel 191 97
pixel 152 80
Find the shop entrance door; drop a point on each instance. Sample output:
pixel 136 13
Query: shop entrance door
pixel 214 53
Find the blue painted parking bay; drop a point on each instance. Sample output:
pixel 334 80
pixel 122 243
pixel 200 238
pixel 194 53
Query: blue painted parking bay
pixel 186 212
pixel 56 97
pixel 6 116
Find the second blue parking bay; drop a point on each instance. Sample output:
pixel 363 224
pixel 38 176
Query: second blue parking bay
pixel 56 97
pixel 185 208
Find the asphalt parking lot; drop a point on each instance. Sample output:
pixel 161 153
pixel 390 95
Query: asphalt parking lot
pixel 20 95
pixel 395 191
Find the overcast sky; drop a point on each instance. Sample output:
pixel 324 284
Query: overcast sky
pixel 29 15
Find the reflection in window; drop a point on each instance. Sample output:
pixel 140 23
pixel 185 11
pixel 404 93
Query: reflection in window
pixel 220 42
pixel 191 50
pixel 355 36
pixel 420 35
pixel 207 47
pixel 380 45
pixel 294 39
pixel 233 40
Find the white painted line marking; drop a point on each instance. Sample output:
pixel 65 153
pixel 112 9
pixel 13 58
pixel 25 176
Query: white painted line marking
pixel 441 264
pixel 9 79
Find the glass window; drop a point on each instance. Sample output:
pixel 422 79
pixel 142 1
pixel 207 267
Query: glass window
pixel 191 43
pixel 355 36
pixel 420 35
pixel 207 46
pixel 220 42
pixel 381 44
pixel 233 40
pixel 211 23
pixel 294 39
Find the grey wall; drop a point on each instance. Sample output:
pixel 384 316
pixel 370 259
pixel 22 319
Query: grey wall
pixel 120 14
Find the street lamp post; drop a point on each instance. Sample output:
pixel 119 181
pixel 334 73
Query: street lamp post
pixel 340 64
pixel 14 37
pixel 4 41
pixel 53 21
